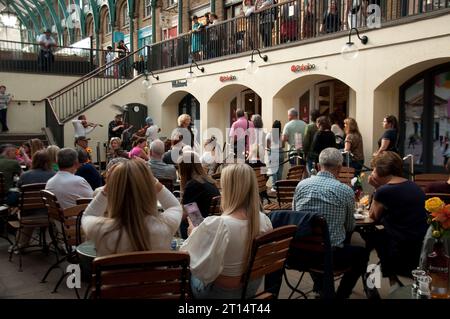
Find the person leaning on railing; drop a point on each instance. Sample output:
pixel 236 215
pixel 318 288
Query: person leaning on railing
pixel 46 57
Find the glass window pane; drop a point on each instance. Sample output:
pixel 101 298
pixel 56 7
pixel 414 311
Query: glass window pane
pixel 441 126
pixel 414 121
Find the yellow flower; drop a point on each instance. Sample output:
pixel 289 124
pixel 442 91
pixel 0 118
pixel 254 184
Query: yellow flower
pixel 434 204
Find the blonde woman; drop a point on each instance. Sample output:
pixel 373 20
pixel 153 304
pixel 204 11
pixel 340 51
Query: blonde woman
pixel 36 145
pixel 115 149
pixel 184 130
pixel 220 246
pixel 354 144
pixel 132 222
pixel 52 151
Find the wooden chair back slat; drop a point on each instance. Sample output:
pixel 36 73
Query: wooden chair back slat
pixel 214 207
pixel 140 275
pixel 69 218
pixel 150 274
pixel 261 179
pixel 163 290
pixel 296 172
pixel 285 190
pixel 423 180
pixel 346 174
pixel 269 253
pixel 30 199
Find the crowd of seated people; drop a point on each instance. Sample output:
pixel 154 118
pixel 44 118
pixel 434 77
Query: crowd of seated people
pixel 131 210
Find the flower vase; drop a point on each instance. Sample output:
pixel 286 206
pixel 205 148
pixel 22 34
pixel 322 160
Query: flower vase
pixel 438 263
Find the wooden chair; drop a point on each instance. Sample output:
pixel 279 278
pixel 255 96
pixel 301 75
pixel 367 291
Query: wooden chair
pixel 168 183
pixel 314 254
pixel 424 179
pixel 214 207
pixel 444 197
pixel 32 214
pixel 262 184
pixel 346 174
pixel 145 274
pixel 269 253
pixel 216 177
pixel 285 194
pixel 4 210
pixel 297 172
pixel 64 232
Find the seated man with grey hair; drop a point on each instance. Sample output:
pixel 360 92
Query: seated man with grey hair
pixel 66 186
pixel 160 169
pixel 335 201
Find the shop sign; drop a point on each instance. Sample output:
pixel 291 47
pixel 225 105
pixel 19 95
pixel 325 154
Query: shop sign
pixel 179 83
pixel 225 78
pixel 303 67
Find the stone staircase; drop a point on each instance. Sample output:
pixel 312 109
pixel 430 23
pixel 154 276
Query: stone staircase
pixel 18 138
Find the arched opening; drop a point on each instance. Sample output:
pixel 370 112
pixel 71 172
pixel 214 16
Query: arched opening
pixel 315 92
pixel 89 25
pixel 124 16
pixel 179 102
pixel 223 104
pixel 425 118
pixel 105 27
pixel 418 96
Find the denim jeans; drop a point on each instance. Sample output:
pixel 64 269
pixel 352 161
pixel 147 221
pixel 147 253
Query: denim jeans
pixel 3 120
pixel 212 291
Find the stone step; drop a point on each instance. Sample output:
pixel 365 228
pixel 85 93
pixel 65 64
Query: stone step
pixel 18 138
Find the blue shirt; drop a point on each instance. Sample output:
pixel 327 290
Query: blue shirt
pixel 332 199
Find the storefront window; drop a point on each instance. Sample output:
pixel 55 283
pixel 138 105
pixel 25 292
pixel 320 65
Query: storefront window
pixel 414 121
pixel 424 119
pixel 441 127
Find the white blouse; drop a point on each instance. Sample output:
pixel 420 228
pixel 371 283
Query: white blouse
pixel 216 246
pixel 162 227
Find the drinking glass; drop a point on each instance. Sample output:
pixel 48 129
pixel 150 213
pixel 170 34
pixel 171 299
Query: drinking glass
pixel 416 273
pixel 424 291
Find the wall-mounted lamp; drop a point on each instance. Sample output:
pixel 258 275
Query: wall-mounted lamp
pixel 190 76
pixel 148 82
pixel 350 51
pixel 251 66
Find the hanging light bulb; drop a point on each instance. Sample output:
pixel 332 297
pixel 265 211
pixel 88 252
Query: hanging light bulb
pixel 191 77
pixel 251 67
pixel 350 51
pixel 146 83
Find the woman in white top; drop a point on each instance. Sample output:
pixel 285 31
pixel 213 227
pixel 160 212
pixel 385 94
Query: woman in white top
pixel 132 221
pixel 220 246
pixel 336 128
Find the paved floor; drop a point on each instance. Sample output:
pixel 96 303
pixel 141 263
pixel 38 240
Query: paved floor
pixel 27 285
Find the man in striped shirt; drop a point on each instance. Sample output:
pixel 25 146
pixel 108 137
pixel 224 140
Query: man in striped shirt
pixel 324 194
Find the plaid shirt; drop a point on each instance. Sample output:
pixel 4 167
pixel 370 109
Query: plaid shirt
pixel 331 198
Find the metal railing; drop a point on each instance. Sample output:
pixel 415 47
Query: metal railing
pixel 290 21
pixel 28 57
pixel 94 86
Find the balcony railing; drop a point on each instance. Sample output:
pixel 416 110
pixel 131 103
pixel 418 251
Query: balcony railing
pixel 28 57
pixel 291 21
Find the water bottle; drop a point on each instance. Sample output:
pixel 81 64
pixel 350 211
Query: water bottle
pixel 313 169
